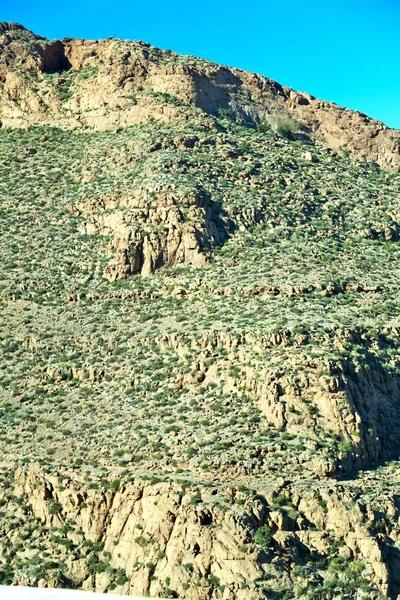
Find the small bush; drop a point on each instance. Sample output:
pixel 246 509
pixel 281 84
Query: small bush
pixel 195 499
pixel 285 130
pixel 214 580
pixel 263 127
pixel 263 538
pixel 55 508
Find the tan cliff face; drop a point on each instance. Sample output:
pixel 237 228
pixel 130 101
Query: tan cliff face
pixel 174 238
pixel 164 540
pixel 110 83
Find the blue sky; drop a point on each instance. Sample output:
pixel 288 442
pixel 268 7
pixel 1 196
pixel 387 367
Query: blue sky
pixel 344 51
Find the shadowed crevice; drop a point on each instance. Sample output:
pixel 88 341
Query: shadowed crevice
pixel 54 59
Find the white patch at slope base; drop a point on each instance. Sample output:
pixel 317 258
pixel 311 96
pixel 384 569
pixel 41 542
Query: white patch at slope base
pixel 26 593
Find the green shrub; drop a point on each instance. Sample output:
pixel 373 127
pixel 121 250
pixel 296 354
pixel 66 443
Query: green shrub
pixel 114 486
pixel 263 538
pixel 195 499
pixel 214 580
pixel 285 130
pixel 55 508
pixel 263 127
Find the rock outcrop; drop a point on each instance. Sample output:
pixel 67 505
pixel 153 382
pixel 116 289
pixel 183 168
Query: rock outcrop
pixel 165 540
pixel 153 229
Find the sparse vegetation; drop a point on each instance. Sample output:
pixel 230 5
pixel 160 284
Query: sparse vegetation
pixel 200 314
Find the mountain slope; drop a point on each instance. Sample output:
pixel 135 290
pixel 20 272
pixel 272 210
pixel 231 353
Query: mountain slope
pixel 199 385
pixel 111 83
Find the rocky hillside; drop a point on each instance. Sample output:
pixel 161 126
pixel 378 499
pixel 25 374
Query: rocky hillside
pixel 200 342
pixel 110 83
